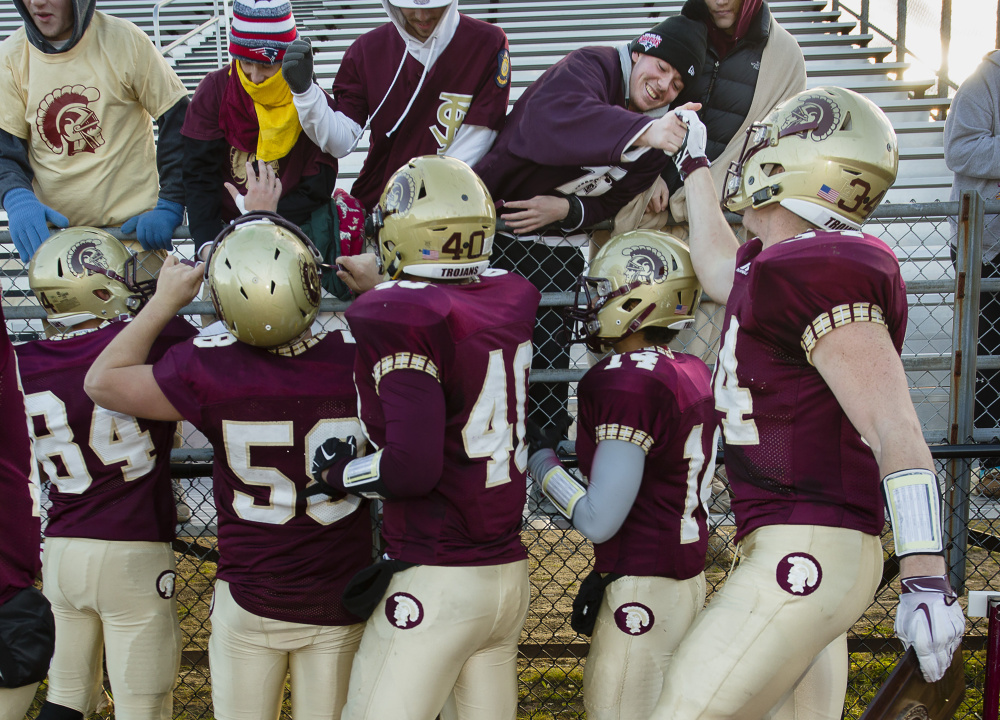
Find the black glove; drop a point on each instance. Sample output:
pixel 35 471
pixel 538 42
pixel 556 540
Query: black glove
pixel 297 65
pixel 331 452
pixel 540 438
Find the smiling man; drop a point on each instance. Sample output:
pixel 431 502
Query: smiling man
pixel 580 143
pixel 430 81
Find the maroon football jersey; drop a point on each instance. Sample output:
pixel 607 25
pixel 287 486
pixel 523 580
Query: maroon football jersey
pixel 792 456
pixel 475 338
pixel 20 556
pixel 468 83
pixel 662 402
pixel 285 556
pixel 109 472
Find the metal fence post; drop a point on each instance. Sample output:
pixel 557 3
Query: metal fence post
pixel 962 402
pixel 901 33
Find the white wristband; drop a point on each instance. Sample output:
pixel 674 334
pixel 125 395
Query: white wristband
pixel 914 503
pixel 364 471
pixel 562 489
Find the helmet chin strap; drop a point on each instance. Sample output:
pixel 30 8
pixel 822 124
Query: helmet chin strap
pixel 821 217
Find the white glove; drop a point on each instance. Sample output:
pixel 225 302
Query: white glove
pixel 930 619
pixel 691 154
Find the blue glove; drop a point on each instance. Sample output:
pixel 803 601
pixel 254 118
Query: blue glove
pixel 154 228
pixel 27 218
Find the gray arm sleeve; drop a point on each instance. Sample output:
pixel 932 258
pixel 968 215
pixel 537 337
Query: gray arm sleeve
pixel 15 169
pixel 614 485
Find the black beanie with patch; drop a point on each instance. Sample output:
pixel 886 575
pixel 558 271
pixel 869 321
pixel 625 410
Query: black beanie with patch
pixel 678 40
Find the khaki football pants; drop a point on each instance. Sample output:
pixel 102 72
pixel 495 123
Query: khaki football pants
pixel 14 702
pixel 249 657
pixel 771 641
pixel 114 598
pixel 641 622
pixel 438 631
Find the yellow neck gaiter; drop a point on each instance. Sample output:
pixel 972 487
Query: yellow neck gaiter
pixel 276 115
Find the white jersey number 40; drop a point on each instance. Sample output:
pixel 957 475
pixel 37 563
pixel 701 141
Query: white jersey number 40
pixel 487 434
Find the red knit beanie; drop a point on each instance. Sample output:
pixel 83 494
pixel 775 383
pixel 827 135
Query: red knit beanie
pixel 261 30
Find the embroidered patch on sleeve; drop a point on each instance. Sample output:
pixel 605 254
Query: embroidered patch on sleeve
pixel 838 317
pixel 502 78
pixel 403 361
pixel 613 431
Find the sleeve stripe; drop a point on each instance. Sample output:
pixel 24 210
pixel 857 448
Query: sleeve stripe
pixel 839 316
pixel 613 431
pixel 404 361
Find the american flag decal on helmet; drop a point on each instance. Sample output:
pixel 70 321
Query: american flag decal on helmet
pixel 828 193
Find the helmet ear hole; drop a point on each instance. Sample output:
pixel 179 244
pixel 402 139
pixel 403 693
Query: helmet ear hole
pixel 847 124
pixel 630 304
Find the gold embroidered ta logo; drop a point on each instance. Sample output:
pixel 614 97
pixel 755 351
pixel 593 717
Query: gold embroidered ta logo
pixel 450 114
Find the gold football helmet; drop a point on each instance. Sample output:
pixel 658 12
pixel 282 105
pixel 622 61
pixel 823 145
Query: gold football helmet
pixel 82 273
pixel 827 154
pixel 641 279
pixel 435 220
pixel 263 276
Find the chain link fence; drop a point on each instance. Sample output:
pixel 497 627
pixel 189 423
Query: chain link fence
pixel 552 654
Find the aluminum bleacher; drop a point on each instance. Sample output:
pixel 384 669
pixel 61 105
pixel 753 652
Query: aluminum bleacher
pixel 542 31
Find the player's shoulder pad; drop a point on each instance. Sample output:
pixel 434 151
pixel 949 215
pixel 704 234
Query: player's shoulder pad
pixel 628 374
pixel 512 283
pixel 406 303
pixel 796 281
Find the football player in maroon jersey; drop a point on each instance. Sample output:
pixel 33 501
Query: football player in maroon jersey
pixel 265 394
pixel 442 373
pixel 815 409
pixel 27 629
pixel 646 440
pixel 108 567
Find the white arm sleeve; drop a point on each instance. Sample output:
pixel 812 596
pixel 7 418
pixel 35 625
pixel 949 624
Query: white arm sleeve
pixel 471 143
pixel 334 132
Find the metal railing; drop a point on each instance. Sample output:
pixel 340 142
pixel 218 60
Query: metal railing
pixel 898 41
pixel 219 20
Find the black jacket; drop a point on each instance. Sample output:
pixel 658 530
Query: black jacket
pixel 725 88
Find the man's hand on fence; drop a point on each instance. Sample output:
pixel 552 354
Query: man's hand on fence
pixel 154 229
pixel 28 220
pixel 930 619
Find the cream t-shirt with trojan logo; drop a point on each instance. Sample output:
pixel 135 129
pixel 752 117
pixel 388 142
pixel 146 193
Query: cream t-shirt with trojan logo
pixel 87 115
